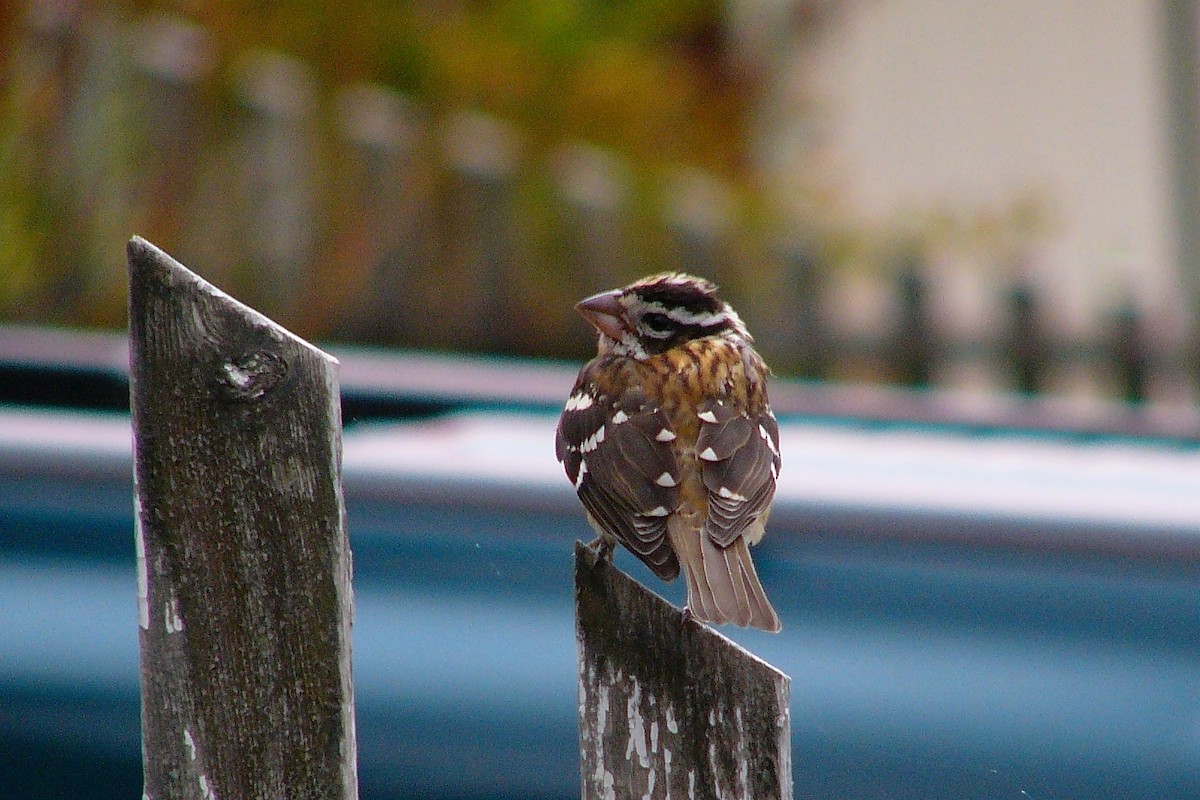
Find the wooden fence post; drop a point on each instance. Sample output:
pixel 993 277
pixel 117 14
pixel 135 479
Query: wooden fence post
pixel 244 597
pixel 669 708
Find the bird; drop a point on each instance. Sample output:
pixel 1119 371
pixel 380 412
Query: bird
pixel 670 441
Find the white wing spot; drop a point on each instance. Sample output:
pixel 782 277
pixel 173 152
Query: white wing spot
pixel 593 441
pixel 729 495
pixel 658 511
pixel 709 455
pixel 619 417
pixel 578 402
pixel 582 471
pixel 665 435
pixel 707 416
pixel 665 480
pixel 767 438
pixel 774 471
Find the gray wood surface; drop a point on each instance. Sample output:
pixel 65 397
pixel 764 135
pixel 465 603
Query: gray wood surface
pixel 669 708
pixel 243 562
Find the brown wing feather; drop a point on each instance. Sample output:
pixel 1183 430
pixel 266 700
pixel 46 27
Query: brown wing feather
pixel 624 472
pixel 739 457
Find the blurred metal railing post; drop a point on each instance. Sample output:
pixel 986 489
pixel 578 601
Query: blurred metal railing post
pixel 279 163
pixel 700 215
pixel 482 153
pixel 593 192
pixel 174 58
pixel 1130 352
pixel 914 348
pixel 1026 348
pixel 809 341
pixel 1180 68
pixel 388 218
pixel 244 598
pixel 669 707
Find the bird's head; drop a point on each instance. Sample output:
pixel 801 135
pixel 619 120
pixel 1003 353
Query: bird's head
pixel 654 314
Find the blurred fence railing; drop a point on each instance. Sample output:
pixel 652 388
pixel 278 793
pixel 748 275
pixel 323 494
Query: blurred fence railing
pixel 353 212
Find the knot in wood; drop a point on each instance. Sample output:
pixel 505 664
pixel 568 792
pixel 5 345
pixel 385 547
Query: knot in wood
pixel 249 376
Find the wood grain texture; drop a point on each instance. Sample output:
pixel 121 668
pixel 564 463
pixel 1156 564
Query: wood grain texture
pixel 243 561
pixel 669 708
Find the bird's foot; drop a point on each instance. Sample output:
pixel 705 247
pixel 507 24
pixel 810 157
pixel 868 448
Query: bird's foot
pixel 686 615
pixel 602 548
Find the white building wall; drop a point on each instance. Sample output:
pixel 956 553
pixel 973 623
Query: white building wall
pixel 950 105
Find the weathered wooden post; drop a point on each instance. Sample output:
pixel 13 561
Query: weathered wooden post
pixel 244 597
pixel 669 708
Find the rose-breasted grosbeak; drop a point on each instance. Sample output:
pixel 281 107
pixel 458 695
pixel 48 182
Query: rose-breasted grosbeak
pixel 670 441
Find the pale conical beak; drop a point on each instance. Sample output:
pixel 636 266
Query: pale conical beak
pixel 605 312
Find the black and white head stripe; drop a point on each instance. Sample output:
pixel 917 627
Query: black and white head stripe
pixel 617 453
pixel 739 458
pixel 679 290
pixel 675 304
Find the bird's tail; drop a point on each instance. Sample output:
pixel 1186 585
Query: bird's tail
pixel 722 585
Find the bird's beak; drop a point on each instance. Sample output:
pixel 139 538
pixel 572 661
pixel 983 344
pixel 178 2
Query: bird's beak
pixel 605 312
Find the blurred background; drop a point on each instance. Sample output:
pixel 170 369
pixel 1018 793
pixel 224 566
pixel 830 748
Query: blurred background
pixel 964 235
pixel 932 193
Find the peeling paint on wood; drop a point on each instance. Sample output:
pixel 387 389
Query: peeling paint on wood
pixel 670 708
pixel 243 562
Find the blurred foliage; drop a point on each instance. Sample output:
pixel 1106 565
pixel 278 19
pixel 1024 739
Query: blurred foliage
pixel 643 76
pixel 455 174
pixel 83 155
pixel 443 174
pixel 646 77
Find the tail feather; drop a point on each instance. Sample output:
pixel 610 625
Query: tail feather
pixel 762 613
pixel 722 583
pixel 701 596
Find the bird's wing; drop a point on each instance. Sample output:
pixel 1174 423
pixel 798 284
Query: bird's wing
pixel 617 452
pixel 739 461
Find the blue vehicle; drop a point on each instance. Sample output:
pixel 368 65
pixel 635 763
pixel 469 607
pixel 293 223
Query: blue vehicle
pixel 975 605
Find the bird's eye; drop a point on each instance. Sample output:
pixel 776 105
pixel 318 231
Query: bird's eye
pixel 657 323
